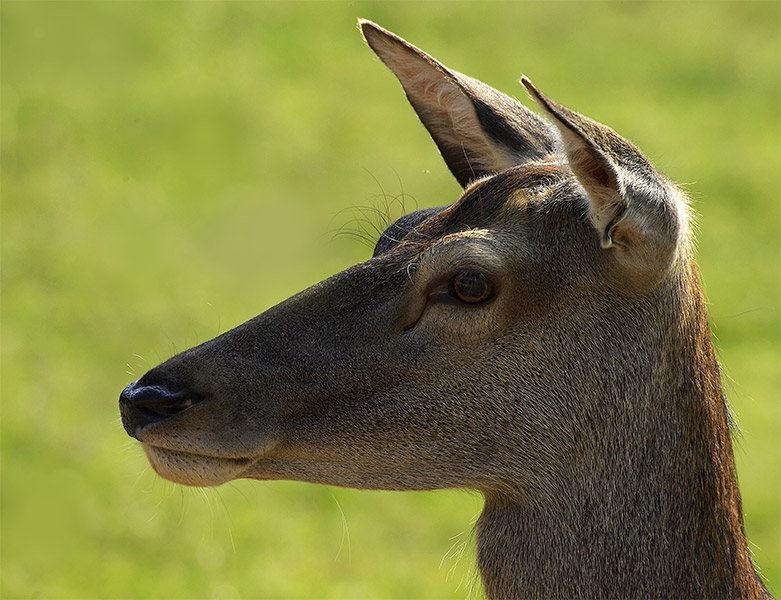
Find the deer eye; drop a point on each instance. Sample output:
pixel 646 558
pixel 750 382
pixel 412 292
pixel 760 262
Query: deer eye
pixel 471 287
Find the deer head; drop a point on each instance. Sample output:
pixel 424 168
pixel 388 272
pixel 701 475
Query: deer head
pixel 542 340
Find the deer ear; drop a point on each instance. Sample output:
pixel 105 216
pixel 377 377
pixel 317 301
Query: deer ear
pixel 478 130
pixel 632 206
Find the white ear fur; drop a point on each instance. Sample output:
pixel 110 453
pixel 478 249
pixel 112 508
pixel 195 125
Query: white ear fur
pixel 633 207
pixel 597 173
pixel 599 177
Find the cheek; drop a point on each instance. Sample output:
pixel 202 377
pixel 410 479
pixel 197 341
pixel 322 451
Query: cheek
pixel 451 325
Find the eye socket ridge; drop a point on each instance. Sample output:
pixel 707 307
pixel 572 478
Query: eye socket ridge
pixel 471 286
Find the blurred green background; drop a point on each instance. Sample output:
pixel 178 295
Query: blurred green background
pixel 170 170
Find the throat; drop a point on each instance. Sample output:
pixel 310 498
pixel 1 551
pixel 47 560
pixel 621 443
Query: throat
pixel 586 551
pixel 644 502
pixel 635 495
pixel 625 530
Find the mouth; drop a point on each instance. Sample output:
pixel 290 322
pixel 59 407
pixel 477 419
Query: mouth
pixel 194 459
pixel 184 446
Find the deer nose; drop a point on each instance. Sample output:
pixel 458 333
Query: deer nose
pixel 142 405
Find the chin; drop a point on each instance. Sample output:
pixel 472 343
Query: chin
pixel 194 469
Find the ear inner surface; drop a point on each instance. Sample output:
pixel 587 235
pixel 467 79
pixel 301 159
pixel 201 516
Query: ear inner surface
pixel 478 130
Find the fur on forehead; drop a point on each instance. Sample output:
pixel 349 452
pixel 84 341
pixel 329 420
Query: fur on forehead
pixel 487 199
pixel 469 249
pixel 484 199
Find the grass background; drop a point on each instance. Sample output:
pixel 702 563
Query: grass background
pixel 170 170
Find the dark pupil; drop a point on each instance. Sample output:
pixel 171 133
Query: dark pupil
pixel 470 286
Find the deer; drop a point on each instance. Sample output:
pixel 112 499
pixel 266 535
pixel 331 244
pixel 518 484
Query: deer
pixel 543 340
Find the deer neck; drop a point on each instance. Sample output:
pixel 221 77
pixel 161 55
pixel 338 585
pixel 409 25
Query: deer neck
pixel 651 506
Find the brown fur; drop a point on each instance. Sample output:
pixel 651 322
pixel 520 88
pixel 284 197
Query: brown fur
pixel 583 398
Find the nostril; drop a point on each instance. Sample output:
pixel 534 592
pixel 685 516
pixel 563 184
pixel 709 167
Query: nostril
pixel 162 406
pixel 144 404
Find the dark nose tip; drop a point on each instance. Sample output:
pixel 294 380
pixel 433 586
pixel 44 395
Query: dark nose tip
pixel 141 405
